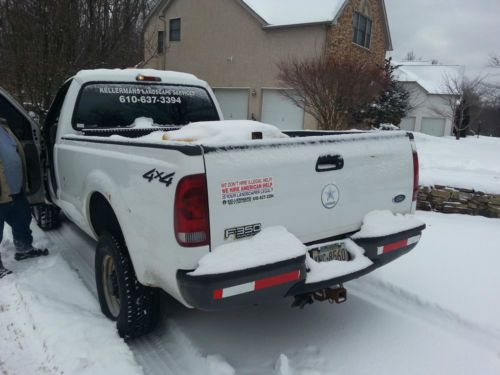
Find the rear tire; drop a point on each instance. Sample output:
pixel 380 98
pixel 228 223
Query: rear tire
pixel 133 306
pixel 47 216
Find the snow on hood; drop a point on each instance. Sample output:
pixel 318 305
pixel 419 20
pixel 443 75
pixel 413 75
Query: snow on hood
pixel 222 132
pixel 383 223
pixel 272 245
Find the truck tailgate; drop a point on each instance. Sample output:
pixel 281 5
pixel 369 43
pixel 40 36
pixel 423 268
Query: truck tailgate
pixel 317 187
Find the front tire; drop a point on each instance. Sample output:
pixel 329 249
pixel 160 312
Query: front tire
pixel 133 306
pixel 47 216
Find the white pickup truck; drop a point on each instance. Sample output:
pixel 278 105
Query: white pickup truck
pixel 216 226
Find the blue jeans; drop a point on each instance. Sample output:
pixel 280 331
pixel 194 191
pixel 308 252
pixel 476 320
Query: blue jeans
pixel 18 215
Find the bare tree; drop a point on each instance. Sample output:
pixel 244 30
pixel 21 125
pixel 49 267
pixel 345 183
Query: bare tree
pixel 495 61
pixel 410 56
pixel 43 42
pixel 331 89
pixel 463 101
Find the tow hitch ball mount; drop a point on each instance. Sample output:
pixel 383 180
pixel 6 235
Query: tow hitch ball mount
pixel 337 295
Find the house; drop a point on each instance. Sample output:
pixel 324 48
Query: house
pixel 235 45
pixel 429 96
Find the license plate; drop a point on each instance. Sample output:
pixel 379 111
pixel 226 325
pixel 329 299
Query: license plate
pixel 327 253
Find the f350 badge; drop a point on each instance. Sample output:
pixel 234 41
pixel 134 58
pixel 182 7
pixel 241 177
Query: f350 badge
pixel 242 232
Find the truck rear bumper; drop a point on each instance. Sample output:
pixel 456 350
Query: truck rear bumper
pixel 288 278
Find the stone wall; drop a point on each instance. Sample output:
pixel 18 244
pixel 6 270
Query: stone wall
pixel 458 201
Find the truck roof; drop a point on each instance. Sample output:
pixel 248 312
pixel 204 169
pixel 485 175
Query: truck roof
pixel 130 75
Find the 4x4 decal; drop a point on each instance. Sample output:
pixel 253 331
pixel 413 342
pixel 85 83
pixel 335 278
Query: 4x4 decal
pixel 162 177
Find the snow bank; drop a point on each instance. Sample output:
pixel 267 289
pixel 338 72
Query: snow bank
pixel 272 245
pixel 469 163
pixel 52 324
pixel 384 222
pixel 334 268
pixel 222 132
pixel 454 268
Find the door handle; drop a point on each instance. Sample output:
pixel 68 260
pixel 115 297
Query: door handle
pixel 328 163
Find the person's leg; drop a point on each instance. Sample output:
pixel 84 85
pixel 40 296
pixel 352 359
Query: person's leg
pixel 2 220
pixel 19 218
pixel 3 271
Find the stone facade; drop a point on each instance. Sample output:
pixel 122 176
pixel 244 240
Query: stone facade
pixel 340 35
pixel 458 201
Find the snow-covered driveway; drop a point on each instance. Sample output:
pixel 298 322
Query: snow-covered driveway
pixel 434 311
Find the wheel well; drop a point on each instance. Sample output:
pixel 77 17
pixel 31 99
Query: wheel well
pixel 102 216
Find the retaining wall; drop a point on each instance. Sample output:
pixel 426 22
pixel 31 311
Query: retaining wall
pixel 451 200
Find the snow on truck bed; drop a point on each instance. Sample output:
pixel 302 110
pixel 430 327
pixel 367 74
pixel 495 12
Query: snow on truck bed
pixel 220 132
pixel 228 133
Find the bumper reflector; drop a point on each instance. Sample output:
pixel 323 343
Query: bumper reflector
pixel 256 285
pixel 397 245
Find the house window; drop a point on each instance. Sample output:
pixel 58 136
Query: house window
pixel 175 30
pixel 362 30
pixel 161 42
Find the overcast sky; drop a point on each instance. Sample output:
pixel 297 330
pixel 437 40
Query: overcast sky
pixel 461 32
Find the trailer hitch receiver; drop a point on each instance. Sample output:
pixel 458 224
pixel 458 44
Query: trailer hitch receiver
pixel 337 295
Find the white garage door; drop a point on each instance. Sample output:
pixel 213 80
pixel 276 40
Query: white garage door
pixel 280 111
pixel 233 102
pixel 433 126
pixel 408 123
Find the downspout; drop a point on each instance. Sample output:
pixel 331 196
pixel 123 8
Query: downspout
pixel 162 17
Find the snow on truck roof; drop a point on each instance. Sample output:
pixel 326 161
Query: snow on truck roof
pixel 126 75
pixel 295 12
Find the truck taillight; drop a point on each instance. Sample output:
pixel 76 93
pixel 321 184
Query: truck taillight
pixel 415 169
pixel 191 223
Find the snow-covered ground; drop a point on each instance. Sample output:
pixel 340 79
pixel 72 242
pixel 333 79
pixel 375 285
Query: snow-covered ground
pixel 434 311
pixel 50 323
pixel 471 163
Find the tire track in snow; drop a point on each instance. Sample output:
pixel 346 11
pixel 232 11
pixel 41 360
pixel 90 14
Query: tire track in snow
pixel 389 296
pixel 166 351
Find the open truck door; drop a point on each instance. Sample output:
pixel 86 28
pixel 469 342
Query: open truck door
pixel 27 131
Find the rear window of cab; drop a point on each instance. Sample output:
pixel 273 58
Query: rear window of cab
pixel 117 105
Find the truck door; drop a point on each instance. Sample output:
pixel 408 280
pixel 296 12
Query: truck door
pixel 28 133
pixel 49 136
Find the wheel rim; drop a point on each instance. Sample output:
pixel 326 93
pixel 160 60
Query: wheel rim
pixel 110 286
